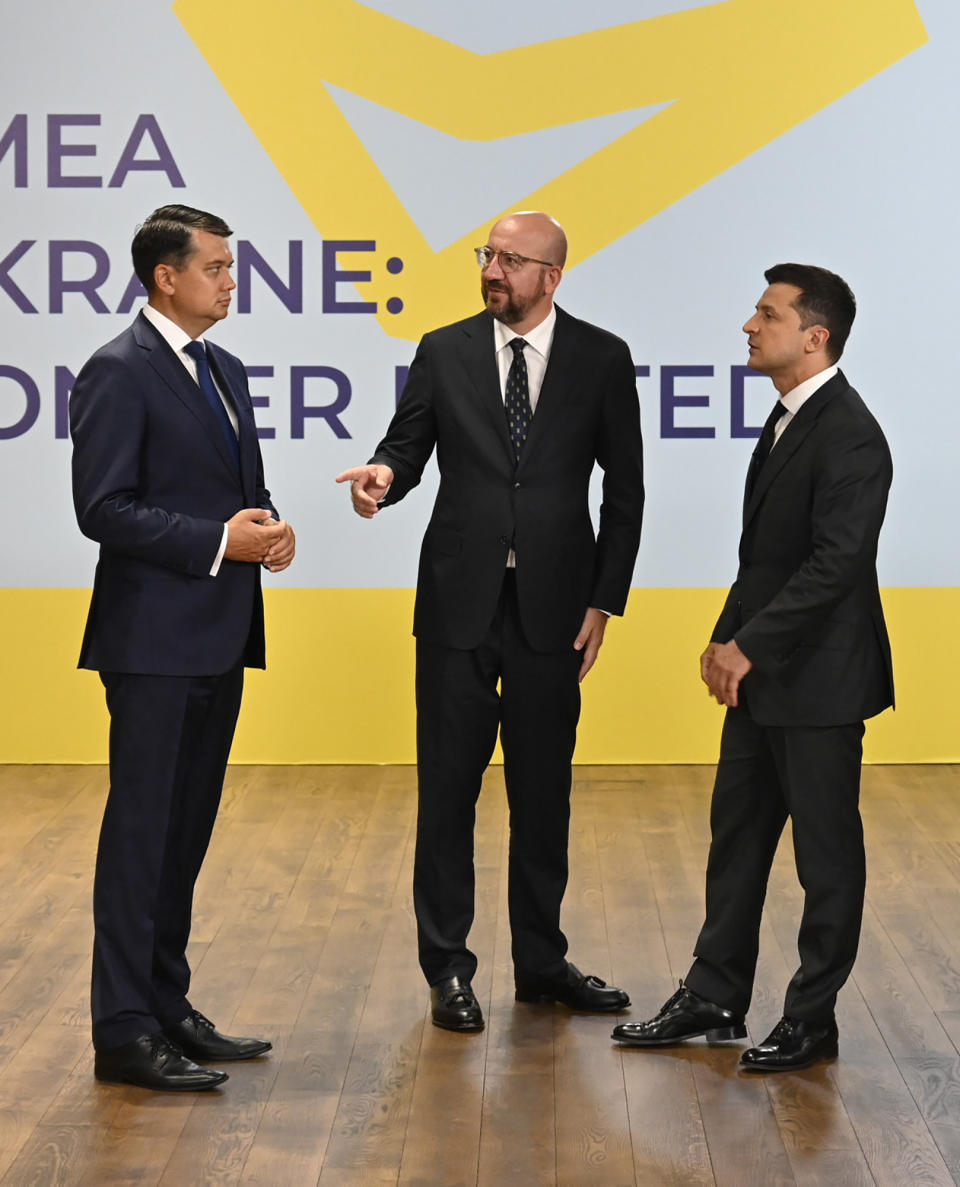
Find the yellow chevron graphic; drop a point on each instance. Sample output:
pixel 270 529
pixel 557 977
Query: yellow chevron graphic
pixel 739 74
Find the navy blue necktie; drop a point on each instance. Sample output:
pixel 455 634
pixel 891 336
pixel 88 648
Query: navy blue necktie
pixel 198 352
pixel 517 397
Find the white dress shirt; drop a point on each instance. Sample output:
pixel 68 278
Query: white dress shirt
pixel 177 338
pixel 536 355
pixel 794 400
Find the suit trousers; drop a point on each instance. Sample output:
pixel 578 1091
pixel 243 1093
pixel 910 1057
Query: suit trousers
pixel 459 710
pixel 170 738
pixel 765 774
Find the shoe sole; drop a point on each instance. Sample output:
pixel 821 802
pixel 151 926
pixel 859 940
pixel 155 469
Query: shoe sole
pixel 718 1034
pixel 209 1057
pixel 545 999
pixel 470 1028
pixel 105 1079
pixel 826 1057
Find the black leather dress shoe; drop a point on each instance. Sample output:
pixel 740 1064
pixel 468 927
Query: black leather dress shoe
pixel 573 989
pixel 198 1038
pixel 685 1016
pixel 151 1061
pixel 453 1005
pixel 792 1045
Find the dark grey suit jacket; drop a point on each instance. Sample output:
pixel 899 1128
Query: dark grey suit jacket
pixel 587 414
pixel 805 607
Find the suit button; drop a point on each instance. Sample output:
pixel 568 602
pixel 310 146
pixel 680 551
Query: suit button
pixel 504 540
pixel 516 486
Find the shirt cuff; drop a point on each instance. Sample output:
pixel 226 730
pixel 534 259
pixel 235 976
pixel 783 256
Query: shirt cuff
pixel 215 568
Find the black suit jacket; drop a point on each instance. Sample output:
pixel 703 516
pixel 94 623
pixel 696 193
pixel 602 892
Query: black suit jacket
pixel 154 481
pixel 587 413
pixel 805 607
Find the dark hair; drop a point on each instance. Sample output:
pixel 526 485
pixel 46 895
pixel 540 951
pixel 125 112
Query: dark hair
pixel 166 237
pixel 825 299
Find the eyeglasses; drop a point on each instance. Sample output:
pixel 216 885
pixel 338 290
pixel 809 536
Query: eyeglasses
pixel 509 260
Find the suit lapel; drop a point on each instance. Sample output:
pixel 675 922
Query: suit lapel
pixel 176 377
pixel 790 442
pixel 478 355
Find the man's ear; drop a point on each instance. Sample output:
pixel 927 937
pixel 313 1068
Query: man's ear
pixel 817 339
pixel 163 278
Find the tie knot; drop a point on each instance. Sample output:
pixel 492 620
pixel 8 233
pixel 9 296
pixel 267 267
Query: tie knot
pixel 517 345
pixel 196 350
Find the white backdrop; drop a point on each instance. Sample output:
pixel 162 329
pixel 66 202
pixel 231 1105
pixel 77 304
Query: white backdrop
pixel 866 186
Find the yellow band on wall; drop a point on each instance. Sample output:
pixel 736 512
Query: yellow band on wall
pixel 339 688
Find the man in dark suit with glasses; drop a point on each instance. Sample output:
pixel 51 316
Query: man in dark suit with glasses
pixel 521 402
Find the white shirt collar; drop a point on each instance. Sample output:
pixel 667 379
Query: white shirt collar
pixel 175 336
pixel 794 399
pixel 540 337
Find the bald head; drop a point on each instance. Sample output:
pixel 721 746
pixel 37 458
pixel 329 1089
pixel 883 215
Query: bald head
pixel 543 235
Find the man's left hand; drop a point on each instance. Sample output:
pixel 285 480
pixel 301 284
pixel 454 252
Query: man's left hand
pixel 589 639
pixel 722 667
pixel 280 555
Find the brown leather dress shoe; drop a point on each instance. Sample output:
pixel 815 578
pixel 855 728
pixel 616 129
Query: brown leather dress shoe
pixel 571 988
pixel 151 1061
pixel 791 1045
pixel 197 1037
pixel 453 1005
pixel 685 1016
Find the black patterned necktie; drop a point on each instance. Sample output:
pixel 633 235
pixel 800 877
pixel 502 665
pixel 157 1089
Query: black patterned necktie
pixel 198 352
pixel 517 397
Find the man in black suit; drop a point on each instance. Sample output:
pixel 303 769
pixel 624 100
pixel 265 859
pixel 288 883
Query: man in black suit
pixel 167 478
pixel 800 657
pixel 521 401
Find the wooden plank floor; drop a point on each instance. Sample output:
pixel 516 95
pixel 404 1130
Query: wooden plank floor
pixel 304 933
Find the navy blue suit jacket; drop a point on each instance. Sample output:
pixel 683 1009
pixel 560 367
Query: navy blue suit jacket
pixel 154 482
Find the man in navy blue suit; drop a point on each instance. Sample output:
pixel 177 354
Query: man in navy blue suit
pixel 168 479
